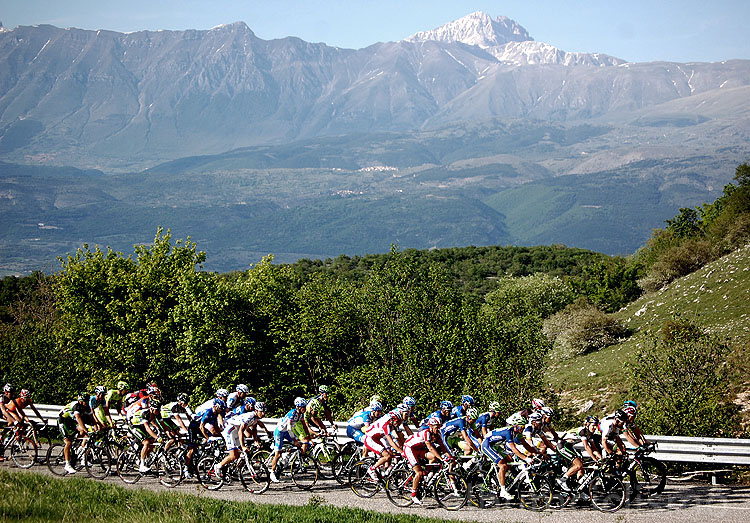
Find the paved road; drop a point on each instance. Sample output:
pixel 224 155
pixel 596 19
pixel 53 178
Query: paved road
pixel 691 502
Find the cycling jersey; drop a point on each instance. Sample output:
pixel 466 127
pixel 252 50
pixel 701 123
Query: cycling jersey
pixel 18 403
pixel 232 427
pixel 291 417
pixel 133 408
pixel 610 431
pixel 525 413
pixel 132 397
pixel 486 420
pixel 458 412
pixel 415 446
pixel 206 405
pixel 437 414
pixel 453 427
pixel 95 403
pixel 113 398
pixel 75 407
pixel 357 422
pixel 500 437
pixel 235 412
pixel 233 401
pixel 375 437
pixel 594 439
pixel 172 409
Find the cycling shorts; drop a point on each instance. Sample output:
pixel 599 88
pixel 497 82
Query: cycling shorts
pixel 280 436
pixel 140 433
pixel 414 455
pixel 356 434
pixel 374 442
pixel 194 433
pixel 491 452
pixel 232 438
pixel 568 452
pixel 68 427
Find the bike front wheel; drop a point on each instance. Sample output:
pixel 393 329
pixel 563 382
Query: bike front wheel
pixel 535 493
pixel 128 463
pixel 360 481
pixel 23 452
pixel 607 493
pixel 97 461
pixel 170 469
pixel 398 487
pixel 648 476
pixel 451 491
pixel 207 475
pixel 254 476
pixel 56 459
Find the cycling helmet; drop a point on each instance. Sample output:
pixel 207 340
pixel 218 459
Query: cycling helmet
pixel 402 408
pixel 535 416
pixel 100 389
pixel 445 404
pixel 375 397
pixel 409 401
pixel 300 402
pixel 433 421
pixel 620 415
pixel 183 398
pixel 154 404
pixel 260 407
pixel 548 412
pixel 83 396
pixel 467 399
pixel 630 411
pixel 472 413
pixel 121 385
pixel 630 403
pixel 25 393
pixel 323 388
pixel 222 393
pixel 537 404
pixel 8 388
pixel 220 403
pixel 249 402
pixel 152 390
pixel 592 419
pixel 495 406
pixel 395 416
pixel 243 388
pixel 517 419
pixel 376 405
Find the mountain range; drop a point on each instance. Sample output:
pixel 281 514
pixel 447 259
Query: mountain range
pixel 474 130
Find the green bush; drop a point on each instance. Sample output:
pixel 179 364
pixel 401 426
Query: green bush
pixel 581 328
pixel 682 382
pixel 678 261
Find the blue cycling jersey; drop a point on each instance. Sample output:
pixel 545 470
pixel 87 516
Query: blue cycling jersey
pixel 486 420
pixel 454 425
pixel 207 416
pixel 458 411
pixel 235 412
pixel 361 418
pixel 94 403
pixel 437 414
pixel 504 435
pixel 291 417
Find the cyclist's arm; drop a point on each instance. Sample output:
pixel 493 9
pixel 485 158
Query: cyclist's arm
pixel 590 450
pixel 81 425
pixel 547 443
pixel 636 437
pixel 181 423
pixel 468 440
pixel 393 443
pixel 520 455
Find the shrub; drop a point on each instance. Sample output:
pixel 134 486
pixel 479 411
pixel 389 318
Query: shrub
pixel 678 261
pixel 581 328
pixel 682 384
pixel 539 294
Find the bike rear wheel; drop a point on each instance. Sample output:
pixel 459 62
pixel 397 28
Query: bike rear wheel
pixel 206 474
pixel 451 491
pixel 360 481
pixel 607 493
pixel 170 469
pixel 127 466
pixel 23 452
pixel 97 461
pixel 536 493
pixel 398 487
pixel 305 470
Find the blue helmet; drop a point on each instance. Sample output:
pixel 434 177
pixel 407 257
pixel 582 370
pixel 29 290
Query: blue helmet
pixel 467 399
pixel 445 404
pixel 409 401
pixel 376 405
pixel 249 402
pixel 220 403
pixel 300 402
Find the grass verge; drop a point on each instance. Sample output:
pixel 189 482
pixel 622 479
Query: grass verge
pixel 33 497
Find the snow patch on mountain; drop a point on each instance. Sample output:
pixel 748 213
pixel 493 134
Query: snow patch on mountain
pixel 531 52
pixel 477 29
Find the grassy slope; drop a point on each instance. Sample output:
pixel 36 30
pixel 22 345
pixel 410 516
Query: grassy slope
pixel 34 497
pixel 716 297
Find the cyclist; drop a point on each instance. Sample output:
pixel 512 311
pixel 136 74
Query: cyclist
pixel 97 402
pixel 23 400
pixel 151 390
pixel 632 431
pixel 536 406
pixel 246 404
pixel 487 420
pixel 402 429
pixel 8 392
pixel 443 414
pixel 591 437
pixel 508 438
pixel 360 422
pixel 317 408
pixel 612 426
pixel 410 404
pixel 380 439
pixel 458 432
pixel 204 424
pixel 236 398
pixel 114 399
pixel 460 410
pixel 170 413
pixel 234 432
pixel 547 415
pixel 284 433
pixel 72 421
pixel 222 394
pixel 419 446
pixel 143 426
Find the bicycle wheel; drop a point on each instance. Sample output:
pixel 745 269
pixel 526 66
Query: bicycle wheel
pixel 305 470
pixel 360 481
pixel 607 493
pixel 484 489
pixel 535 493
pixel 647 478
pixel 451 491
pixel 23 452
pixel 398 487
pixel 254 476
pixel 97 460
pixel 343 460
pixel 206 474
pixel 325 453
pixel 56 459
pixel 127 466
pixel 170 468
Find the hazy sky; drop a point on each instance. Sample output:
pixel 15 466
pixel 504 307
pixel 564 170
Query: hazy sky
pixel 635 30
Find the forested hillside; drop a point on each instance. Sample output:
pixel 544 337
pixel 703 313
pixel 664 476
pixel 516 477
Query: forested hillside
pixel 432 324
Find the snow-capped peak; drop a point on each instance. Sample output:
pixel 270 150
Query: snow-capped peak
pixel 476 29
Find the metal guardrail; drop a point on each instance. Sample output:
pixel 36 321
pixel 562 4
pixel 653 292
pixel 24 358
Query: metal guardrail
pixel 726 451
